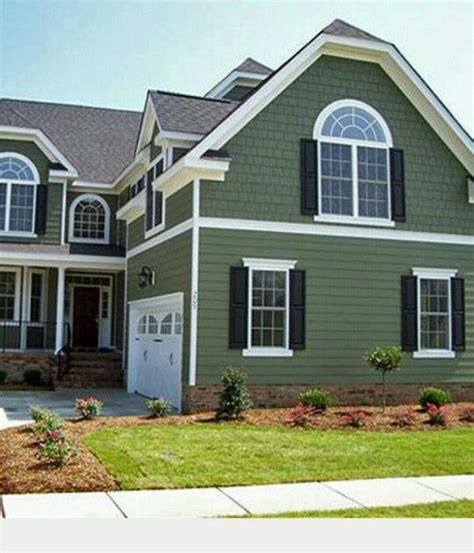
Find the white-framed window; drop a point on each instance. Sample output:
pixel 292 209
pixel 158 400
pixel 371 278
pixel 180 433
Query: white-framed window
pixel 268 307
pixel 171 323
pixel 353 153
pixel 155 199
pixel 89 219
pixel 18 188
pixel 10 287
pixel 434 313
pixel 36 295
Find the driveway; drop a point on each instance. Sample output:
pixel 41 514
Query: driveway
pixel 14 406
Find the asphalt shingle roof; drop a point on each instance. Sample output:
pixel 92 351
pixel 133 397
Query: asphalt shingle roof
pixel 193 114
pixel 99 142
pixel 253 66
pixel 340 28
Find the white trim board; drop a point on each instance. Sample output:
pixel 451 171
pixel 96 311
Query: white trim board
pixel 160 238
pixel 333 230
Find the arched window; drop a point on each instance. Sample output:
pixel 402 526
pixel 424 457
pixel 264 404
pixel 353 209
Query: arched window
pixel 353 153
pixel 18 180
pixel 171 323
pixel 89 219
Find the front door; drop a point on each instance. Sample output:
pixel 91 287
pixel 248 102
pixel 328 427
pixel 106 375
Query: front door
pixel 86 316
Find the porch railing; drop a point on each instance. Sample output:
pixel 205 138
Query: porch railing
pixel 21 335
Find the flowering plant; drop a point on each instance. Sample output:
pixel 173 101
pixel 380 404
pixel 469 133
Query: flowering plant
pixel 467 415
pixel 302 415
pixel 356 419
pixel 437 414
pixel 403 418
pixel 89 407
pixel 159 406
pixel 56 447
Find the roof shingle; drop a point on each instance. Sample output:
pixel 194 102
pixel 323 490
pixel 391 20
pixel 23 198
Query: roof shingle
pixel 253 66
pixel 340 28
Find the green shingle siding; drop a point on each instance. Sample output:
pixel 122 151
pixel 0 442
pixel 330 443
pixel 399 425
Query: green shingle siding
pixel 171 262
pixel 352 303
pixel 263 180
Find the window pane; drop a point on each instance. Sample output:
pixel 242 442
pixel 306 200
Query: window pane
pixel 268 308
pixel 353 122
pixel 89 220
pixel 336 179
pixel 36 297
pixel 14 168
pixel 21 208
pixel 7 295
pixel 434 314
pixel 373 182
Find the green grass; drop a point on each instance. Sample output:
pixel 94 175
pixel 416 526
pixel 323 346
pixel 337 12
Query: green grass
pixel 207 454
pixel 443 509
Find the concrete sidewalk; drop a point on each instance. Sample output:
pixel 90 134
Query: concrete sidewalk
pixel 241 500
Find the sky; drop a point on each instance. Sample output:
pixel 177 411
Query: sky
pixel 110 52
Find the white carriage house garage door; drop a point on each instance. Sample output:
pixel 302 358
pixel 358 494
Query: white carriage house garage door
pixel 155 347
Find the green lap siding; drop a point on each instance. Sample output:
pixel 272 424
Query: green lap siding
pixel 171 262
pixel 352 304
pixel 263 182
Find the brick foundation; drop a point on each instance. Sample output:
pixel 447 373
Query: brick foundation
pixel 205 397
pixel 15 363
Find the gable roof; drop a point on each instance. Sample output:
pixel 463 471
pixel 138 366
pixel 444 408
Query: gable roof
pixel 189 114
pixel 98 141
pixel 253 66
pixel 341 28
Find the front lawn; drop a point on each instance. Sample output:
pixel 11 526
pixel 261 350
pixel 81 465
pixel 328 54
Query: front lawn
pixel 212 454
pixel 463 508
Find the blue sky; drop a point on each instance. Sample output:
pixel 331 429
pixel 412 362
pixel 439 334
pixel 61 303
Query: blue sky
pixel 109 52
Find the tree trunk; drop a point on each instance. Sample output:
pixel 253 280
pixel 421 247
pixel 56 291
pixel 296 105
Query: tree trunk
pixel 383 391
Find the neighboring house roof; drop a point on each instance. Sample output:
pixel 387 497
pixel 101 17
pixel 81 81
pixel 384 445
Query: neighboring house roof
pixel 253 66
pixel 190 114
pixel 98 141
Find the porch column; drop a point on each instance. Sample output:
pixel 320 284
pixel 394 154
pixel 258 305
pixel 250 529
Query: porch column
pixel 60 309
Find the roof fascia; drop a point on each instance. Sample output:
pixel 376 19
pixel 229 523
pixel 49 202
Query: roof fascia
pixel 228 82
pixel 146 126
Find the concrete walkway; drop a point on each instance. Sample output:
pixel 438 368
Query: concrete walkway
pixel 241 500
pixel 14 406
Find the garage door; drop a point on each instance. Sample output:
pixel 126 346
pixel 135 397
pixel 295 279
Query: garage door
pixel 155 349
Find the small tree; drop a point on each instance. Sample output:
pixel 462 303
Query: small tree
pixel 234 398
pixel 384 359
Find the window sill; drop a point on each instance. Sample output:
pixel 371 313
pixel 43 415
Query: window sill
pixel 88 241
pixel 154 231
pixel 434 354
pixel 344 220
pixel 18 234
pixel 267 352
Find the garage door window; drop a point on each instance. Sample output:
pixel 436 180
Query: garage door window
pixel 152 325
pixel 142 325
pixel 171 324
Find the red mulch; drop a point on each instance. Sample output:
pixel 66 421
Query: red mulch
pixel 21 471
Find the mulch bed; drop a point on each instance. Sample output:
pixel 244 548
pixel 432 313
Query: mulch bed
pixel 21 471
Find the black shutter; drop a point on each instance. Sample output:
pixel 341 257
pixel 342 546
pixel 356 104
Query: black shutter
pixel 239 279
pixel 149 199
pixel 158 168
pixel 297 309
pixel 309 176
pixel 409 313
pixel 158 208
pixel 458 314
pixel 41 208
pixel 397 185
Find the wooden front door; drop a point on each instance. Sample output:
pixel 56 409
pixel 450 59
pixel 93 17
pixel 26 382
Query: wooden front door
pixel 86 317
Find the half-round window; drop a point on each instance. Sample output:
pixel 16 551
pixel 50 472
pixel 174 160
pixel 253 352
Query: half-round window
pixel 90 219
pixel 18 180
pixel 353 157
pixel 141 327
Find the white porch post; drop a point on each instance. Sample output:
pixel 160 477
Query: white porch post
pixel 60 309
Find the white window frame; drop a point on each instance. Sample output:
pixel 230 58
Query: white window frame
pixel 16 308
pixel 44 288
pixel 165 156
pixel 353 219
pixel 72 209
pixel 268 265
pixel 433 274
pixel 10 182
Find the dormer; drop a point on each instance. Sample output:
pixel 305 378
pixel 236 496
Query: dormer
pixel 240 81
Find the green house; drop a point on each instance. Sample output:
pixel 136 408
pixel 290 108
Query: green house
pixel 285 222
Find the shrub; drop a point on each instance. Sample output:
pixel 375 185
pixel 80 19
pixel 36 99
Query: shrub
pixel 32 377
pixel 302 415
pixel 3 376
pixel 467 415
pixel 89 407
pixel 45 420
pixel 384 359
pixel 57 448
pixel 437 415
pixel 159 406
pixel 435 396
pixel 355 419
pixel 403 418
pixel 317 398
pixel 234 399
